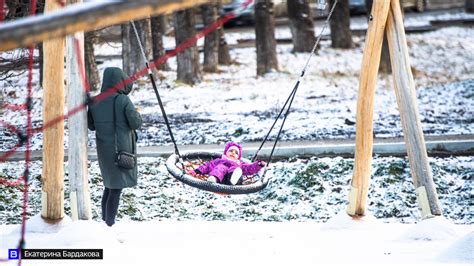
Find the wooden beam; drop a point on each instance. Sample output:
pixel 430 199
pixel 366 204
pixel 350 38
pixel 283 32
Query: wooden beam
pixel 83 17
pixel 53 136
pixel 406 99
pixel 77 128
pixel 365 108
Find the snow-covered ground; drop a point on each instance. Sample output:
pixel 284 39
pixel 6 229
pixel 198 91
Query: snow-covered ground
pixel 313 189
pixel 299 219
pixel 340 241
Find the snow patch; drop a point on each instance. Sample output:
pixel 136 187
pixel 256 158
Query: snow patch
pixel 461 250
pixel 36 224
pixel 436 228
pixel 343 221
pixel 83 233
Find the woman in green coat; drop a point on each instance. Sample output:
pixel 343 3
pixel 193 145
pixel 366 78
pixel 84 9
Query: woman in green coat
pixel 100 118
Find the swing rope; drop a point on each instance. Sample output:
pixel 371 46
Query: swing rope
pixel 291 97
pixel 171 163
pixel 152 79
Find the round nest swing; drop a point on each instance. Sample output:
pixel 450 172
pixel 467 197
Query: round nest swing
pixel 193 160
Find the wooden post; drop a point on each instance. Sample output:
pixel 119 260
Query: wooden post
pixel 365 107
pixel 77 127
pixel 53 107
pixel 406 99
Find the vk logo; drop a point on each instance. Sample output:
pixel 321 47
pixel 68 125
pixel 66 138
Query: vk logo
pixel 13 254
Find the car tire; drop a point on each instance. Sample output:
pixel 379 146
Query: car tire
pixel 420 5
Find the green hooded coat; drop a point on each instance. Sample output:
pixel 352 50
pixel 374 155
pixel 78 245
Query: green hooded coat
pixel 127 119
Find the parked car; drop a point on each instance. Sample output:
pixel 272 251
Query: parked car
pixel 355 6
pixel 245 17
pixel 248 15
pixel 440 4
pixel 417 5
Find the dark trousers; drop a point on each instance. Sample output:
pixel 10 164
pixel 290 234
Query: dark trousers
pixel 110 203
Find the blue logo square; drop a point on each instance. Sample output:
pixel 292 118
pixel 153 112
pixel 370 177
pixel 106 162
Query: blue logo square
pixel 13 254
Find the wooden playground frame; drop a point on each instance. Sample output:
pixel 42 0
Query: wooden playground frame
pixel 57 23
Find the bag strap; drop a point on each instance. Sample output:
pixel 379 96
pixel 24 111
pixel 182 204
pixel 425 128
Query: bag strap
pixel 115 132
pixel 115 125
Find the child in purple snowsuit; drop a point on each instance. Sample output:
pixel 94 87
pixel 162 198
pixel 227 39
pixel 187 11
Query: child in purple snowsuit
pixel 229 168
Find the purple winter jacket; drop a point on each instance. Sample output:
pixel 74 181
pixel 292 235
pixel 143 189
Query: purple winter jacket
pixel 220 167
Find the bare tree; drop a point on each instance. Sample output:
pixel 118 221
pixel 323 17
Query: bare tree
pixel 469 6
pixel 340 23
pixel 133 60
pixel 211 41
pixel 92 74
pixel 188 60
pixel 224 54
pixel 18 59
pixel 18 8
pixel 158 27
pixel 301 25
pixel 265 37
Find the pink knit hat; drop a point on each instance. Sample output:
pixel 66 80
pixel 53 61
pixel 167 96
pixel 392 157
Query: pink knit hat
pixel 231 144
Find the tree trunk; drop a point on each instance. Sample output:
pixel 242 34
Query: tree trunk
pixel 158 26
pixel 133 60
pixel 469 5
pixel 340 23
pixel 188 60
pixel 92 73
pixel 385 65
pixel 211 41
pixel 41 62
pixel 265 37
pixel 224 54
pixel 301 25
pixel 40 45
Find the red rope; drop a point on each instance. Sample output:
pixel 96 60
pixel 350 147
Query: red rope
pixel 80 64
pixel 14 107
pixel 21 245
pixel 2 10
pixel 61 3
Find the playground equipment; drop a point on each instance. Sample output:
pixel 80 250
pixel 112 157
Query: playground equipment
pixel 385 17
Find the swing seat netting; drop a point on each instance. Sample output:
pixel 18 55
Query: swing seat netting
pixel 192 160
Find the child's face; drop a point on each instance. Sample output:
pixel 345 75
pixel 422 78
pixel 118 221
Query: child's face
pixel 232 153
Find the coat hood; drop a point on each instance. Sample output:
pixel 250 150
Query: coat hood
pixel 230 144
pixel 115 77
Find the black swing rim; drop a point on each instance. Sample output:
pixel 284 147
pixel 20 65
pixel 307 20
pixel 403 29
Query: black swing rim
pixel 209 186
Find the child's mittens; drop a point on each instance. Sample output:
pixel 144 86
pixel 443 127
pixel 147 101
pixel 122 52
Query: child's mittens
pixel 195 172
pixel 261 163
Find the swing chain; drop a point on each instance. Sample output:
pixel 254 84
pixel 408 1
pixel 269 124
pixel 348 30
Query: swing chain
pixel 152 79
pixel 293 92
